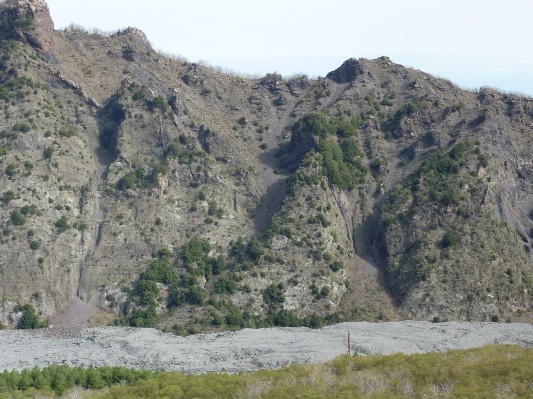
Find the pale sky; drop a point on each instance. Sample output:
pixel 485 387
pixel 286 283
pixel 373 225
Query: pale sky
pixel 471 42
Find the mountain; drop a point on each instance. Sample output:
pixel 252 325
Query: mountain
pixel 169 193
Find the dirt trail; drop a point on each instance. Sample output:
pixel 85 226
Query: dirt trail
pixel 246 350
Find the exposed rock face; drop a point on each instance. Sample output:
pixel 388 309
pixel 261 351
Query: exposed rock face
pixel 41 33
pixel 347 72
pixel 137 182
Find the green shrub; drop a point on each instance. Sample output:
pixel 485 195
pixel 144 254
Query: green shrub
pixel 8 196
pixel 29 319
pixel 62 225
pixel 176 297
pixel 147 292
pixel 254 249
pixel 483 160
pixel 60 378
pixel 225 285
pixel 17 219
pixel 11 170
pixel 48 152
pixel 287 318
pixel 195 296
pixel 146 318
pixel 28 166
pixel 336 266
pixel 449 239
pixel 274 294
pixel 132 180
pixel 28 210
pixel 160 103
pixel 128 52
pixel 138 95
pixel 183 153
pixel 195 250
pixel 21 127
pixel 235 318
pixel 67 132
pixel 324 292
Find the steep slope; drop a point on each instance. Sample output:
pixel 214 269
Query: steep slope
pixel 173 194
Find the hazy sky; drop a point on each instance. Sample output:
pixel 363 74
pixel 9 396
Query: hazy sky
pixel 471 42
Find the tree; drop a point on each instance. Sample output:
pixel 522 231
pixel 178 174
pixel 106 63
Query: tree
pixel 254 249
pixel 274 294
pixel 29 319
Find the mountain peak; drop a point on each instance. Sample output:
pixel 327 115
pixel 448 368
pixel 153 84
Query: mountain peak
pixel 29 20
pixel 348 71
pixel 32 5
pixel 352 68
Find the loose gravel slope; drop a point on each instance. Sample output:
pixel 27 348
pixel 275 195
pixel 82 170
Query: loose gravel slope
pixel 244 350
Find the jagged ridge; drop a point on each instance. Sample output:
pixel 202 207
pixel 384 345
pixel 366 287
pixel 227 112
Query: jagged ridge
pixel 378 192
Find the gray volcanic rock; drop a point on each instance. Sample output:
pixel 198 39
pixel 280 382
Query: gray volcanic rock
pixel 245 350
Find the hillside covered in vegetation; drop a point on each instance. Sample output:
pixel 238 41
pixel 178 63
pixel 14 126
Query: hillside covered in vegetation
pixel 170 194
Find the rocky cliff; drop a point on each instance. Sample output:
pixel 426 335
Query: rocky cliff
pixel 170 193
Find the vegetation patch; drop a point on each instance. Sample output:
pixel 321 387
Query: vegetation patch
pixel 492 371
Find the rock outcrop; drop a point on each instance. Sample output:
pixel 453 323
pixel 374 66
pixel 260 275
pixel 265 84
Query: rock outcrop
pixel 142 184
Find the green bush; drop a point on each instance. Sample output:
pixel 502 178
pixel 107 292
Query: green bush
pixel 67 132
pixel 176 296
pixel 28 210
pixel 48 152
pixel 195 296
pixel 336 266
pixel 336 150
pixel 214 210
pixel 195 250
pixel 183 153
pixel 483 160
pixel 60 378
pixel 160 103
pixel 17 219
pixel 8 196
pixel 21 127
pixel 146 318
pixel 147 292
pixel 274 294
pixel 235 318
pixel 449 239
pixel 11 170
pixel 225 285
pixel 138 95
pixel 132 180
pixel 287 318
pixel 254 249
pixel 29 319
pixel 62 225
